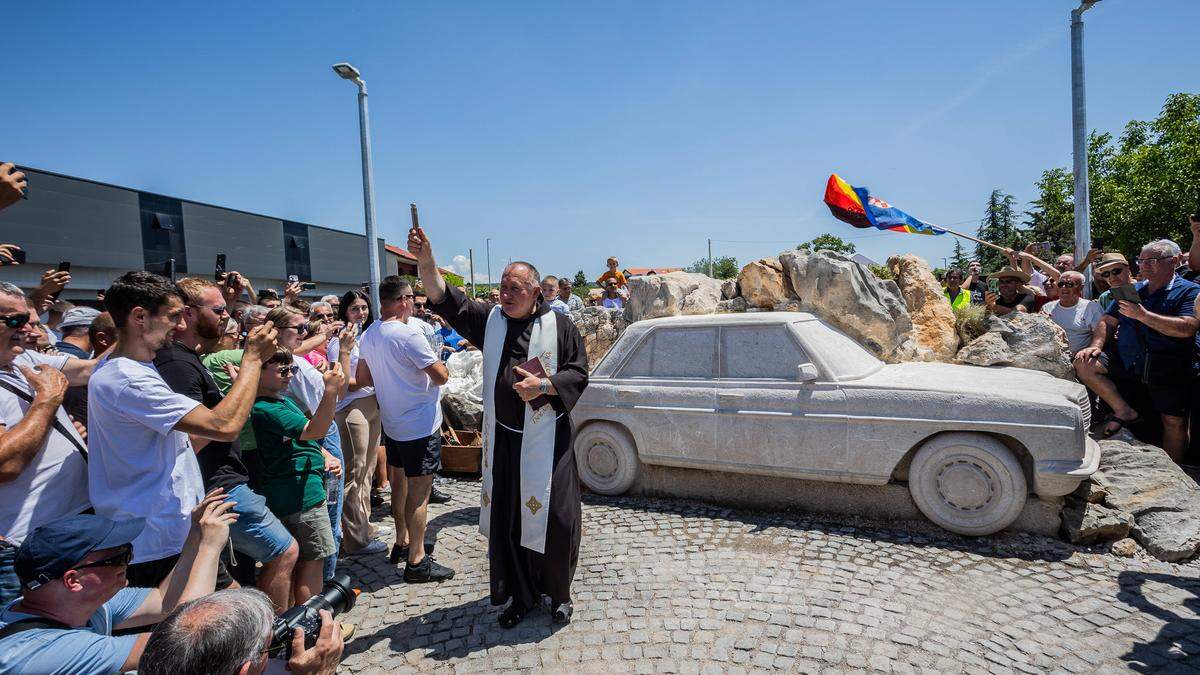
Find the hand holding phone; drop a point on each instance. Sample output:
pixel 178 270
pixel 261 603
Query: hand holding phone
pixel 219 268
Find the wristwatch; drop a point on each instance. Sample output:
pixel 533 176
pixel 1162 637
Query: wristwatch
pixel 544 386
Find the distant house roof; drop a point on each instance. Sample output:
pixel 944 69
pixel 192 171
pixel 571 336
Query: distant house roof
pixel 396 250
pixel 646 271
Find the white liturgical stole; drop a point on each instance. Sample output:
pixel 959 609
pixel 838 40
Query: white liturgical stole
pixel 537 437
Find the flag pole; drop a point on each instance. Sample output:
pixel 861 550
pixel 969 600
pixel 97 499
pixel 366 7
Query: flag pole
pixel 977 241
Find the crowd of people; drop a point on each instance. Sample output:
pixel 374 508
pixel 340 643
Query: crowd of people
pixel 197 449
pixel 1134 344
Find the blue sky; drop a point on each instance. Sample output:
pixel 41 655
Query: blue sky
pixel 567 132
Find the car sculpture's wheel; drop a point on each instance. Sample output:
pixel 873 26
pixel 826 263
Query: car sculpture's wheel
pixel 968 483
pixel 607 458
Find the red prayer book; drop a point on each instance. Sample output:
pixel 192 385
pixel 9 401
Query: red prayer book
pixel 534 367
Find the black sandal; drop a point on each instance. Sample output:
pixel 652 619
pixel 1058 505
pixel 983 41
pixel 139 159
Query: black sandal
pixel 399 553
pixel 513 615
pixel 1121 424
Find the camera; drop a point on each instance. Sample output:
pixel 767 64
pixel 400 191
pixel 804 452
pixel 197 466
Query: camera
pixel 336 597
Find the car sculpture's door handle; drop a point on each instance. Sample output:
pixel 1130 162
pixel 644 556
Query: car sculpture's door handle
pixel 626 393
pixel 730 398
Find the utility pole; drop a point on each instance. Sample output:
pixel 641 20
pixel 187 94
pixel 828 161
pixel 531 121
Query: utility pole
pixel 710 272
pixel 1083 223
pixel 349 72
pixel 471 258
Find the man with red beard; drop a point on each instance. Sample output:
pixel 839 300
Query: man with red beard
pixel 257 532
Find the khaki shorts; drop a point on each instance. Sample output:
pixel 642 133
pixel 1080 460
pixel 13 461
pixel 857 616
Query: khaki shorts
pixel 312 531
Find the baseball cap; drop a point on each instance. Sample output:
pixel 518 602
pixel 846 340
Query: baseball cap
pixel 52 549
pixel 1110 259
pixel 79 316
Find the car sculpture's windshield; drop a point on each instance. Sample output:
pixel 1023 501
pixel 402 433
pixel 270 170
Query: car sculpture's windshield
pixel 844 357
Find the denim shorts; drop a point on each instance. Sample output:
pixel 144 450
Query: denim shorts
pixel 257 532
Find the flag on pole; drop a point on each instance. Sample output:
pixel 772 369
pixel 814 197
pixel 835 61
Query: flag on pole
pixel 856 206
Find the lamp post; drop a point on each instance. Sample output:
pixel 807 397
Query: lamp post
pixel 1083 224
pixel 349 72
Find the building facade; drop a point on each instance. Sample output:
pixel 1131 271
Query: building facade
pixel 106 230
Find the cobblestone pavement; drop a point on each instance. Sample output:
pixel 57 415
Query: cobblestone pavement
pixel 667 586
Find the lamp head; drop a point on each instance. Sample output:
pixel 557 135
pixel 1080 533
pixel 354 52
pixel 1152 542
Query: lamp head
pixel 1085 5
pixel 346 71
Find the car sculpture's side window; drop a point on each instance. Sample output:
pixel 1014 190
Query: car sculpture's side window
pixel 675 353
pixel 759 352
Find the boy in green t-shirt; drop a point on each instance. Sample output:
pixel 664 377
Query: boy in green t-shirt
pixel 293 466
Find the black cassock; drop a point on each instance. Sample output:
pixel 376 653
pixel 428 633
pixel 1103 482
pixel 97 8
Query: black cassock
pixel 517 572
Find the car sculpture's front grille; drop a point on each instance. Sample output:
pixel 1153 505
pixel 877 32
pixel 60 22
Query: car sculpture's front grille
pixel 1085 408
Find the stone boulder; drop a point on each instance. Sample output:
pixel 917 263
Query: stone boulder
pixel 1164 503
pixel 846 295
pixel 600 329
pixel 732 305
pixel 729 289
pixel 763 283
pixel 671 294
pixel 1088 523
pixel 934 329
pixel 1021 340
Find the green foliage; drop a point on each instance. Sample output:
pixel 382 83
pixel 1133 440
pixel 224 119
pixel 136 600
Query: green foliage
pixel 881 271
pixel 581 280
pixel 959 258
pixel 971 322
pixel 452 279
pixel 724 267
pixel 1142 186
pixel 999 226
pixel 828 242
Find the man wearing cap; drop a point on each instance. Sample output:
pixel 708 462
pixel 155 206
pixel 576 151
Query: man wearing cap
pixel 1011 297
pixel 74 594
pixel 74 328
pixel 1113 270
pixel 1092 362
pixel 43 464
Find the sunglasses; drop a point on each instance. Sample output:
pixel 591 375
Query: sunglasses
pixel 15 320
pixel 119 559
pixel 302 329
pixel 285 371
pixel 1150 261
pixel 1111 273
pixel 1066 284
pixel 322 316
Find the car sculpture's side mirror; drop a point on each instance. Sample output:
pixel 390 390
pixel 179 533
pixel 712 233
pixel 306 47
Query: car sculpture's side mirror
pixel 808 372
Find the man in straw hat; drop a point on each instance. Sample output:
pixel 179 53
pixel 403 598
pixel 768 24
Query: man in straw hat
pixel 1012 297
pixel 1092 362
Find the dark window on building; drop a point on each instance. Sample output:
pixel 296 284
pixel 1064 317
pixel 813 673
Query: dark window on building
pixel 162 233
pixel 295 250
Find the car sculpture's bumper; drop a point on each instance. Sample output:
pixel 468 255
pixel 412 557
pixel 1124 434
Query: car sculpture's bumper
pixel 1058 477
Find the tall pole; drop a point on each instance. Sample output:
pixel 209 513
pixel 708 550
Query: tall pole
pixel 471 258
pixel 364 127
pixel 710 257
pixel 489 262
pixel 1083 225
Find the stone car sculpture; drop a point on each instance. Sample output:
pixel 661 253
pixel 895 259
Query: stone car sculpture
pixel 784 394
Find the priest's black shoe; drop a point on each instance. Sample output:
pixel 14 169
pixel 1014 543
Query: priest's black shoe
pixel 436 496
pixel 512 615
pixel 561 612
pixel 425 571
pixel 399 553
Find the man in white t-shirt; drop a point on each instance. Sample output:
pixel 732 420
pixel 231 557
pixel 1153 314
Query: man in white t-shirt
pixel 397 359
pixel 142 462
pixel 43 464
pixel 1076 315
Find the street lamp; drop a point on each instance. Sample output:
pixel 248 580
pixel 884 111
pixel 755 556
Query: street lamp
pixel 1083 224
pixel 349 72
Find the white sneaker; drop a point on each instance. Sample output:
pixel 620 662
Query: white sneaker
pixel 372 548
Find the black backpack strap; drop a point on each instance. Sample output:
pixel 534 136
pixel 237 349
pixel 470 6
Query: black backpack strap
pixel 58 426
pixel 32 623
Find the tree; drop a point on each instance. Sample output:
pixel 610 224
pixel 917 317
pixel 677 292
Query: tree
pixel 581 280
pixel 958 258
pixel 828 242
pixel 998 227
pixel 724 267
pixel 1052 217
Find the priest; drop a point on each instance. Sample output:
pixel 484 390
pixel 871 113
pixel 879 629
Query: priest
pixel 529 506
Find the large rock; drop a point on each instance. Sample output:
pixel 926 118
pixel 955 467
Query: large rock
pixel 1021 340
pixel 763 283
pixel 933 321
pixel 846 294
pixel 1087 523
pixel 671 294
pixel 1143 482
pixel 600 328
